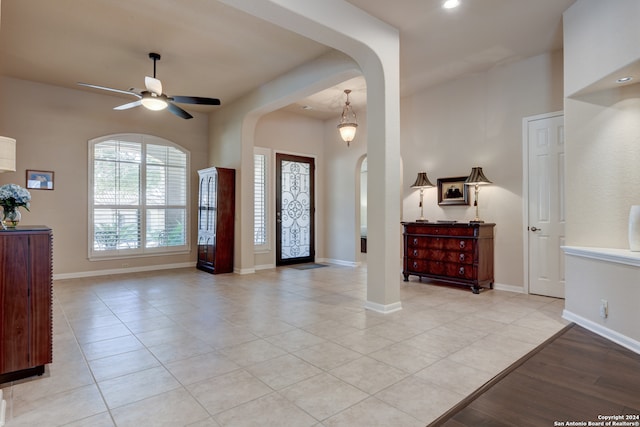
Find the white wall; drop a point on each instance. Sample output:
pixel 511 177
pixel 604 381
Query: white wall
pixel 292 134
pixel 616 282
pixel 602 126
pixel 342 166
pixel 52 126
pixel 599 38
pixel 602 155
pixel 477 121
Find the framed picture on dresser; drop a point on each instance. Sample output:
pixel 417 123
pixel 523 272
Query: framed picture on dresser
pixel 452 191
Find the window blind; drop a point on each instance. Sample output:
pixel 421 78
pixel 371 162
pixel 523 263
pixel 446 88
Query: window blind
pixel 260 202
pixel 138 196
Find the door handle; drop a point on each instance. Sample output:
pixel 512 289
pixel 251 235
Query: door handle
pixel 534 229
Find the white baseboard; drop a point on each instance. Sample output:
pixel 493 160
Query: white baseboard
pixel 94 273
pixel 3 409
pixel 264 267
pixel 605 332
pixel 338 262
pixel 383 308
pixel 508 288
pixel 244 270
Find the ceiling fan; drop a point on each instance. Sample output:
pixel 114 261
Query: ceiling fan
pixel 153 98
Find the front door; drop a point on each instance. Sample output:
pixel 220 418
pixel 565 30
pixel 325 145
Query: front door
pixel 546 228
pixel 294 209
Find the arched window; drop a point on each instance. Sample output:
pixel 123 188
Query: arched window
pixel 138 196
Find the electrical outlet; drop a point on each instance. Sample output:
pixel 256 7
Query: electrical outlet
pixel 604 308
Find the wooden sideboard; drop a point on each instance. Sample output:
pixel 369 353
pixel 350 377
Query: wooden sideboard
pixel 459 253
pixel 25 302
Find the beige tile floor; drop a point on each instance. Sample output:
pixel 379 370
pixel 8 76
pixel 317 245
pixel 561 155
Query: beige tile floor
pixel 282 347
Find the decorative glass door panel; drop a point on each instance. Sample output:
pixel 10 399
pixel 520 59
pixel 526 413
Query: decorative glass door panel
pixel 295 209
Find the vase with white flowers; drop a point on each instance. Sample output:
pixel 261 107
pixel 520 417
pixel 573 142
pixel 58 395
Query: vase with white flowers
pixel 12 197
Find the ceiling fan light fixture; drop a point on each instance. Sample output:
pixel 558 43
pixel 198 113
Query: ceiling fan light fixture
pixel 451 4
pixel 153 98
pixel 154 103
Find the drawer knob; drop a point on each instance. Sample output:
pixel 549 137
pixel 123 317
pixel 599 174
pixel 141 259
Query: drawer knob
pixel 415 252
pixel 415 264
pixel 461 257
pixel 461 271
pixel 415 240
pixel 462 242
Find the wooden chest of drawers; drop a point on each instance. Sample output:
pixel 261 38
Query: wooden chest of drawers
pixel 460 253
pixel 25 302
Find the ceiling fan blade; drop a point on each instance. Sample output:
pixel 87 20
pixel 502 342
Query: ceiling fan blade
pixel 108 89
pixel 195 100
pixel 179 111
pixel 129 105
pixel 153 85
pixel 136 91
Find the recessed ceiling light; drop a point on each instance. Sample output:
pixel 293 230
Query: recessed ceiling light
pixel 624 79
pixel 450 4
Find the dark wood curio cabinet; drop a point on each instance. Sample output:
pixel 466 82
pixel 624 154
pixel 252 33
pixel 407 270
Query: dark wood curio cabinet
pixel 25 302
pixel 216 210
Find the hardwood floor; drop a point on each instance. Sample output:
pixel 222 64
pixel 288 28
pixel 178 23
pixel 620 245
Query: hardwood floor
pixel 576 378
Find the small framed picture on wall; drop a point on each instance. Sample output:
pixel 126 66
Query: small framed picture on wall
pixel 452 191
pixel 39 180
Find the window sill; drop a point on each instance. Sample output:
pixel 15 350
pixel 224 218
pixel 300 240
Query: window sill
pixel 619 256
pixel 137 255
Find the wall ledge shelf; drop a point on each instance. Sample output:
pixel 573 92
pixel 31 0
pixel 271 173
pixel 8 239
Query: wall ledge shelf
pixel 613 255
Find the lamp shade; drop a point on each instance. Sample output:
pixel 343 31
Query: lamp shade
pixel 476 177
pixel 7 154
pixel 422 181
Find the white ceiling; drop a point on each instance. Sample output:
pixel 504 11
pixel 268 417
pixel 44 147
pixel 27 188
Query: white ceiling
pixel 212 50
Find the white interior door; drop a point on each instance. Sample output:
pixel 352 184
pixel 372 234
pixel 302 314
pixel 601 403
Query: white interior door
pixel 546 228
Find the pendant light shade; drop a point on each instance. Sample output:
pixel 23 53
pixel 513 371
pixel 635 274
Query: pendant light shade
pixel 7 154
pixel 348 121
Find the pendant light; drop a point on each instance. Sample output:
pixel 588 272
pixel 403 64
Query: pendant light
pixel 348 121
